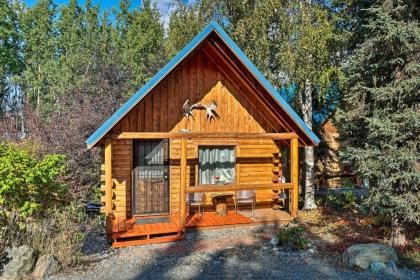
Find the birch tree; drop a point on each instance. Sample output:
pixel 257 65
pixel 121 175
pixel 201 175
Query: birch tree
pixel 292 43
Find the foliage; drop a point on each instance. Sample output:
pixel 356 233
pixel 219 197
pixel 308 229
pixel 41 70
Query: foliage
pixel 187 20
pixel 28 185
pixel 379 116
pixel 140 42
pixel 10 48
pixel 345 201
pixel 59 233
pixel 410 256
pixel 294 44
pixel 292 237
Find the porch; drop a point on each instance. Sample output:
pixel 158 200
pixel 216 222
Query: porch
pixel 130 229
pixel 144 230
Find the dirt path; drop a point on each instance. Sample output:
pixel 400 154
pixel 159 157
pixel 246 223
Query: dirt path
pixel 236 253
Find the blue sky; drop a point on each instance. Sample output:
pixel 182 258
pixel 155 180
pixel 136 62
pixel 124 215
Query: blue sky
pixel 164 6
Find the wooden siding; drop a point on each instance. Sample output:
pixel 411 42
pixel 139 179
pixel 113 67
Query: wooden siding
pixel 122 165
pixel 254 164
pixel 197 79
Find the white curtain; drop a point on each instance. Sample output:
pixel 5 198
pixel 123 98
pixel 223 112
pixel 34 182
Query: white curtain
pixel 216 165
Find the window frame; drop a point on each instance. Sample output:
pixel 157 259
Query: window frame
pixel 216 146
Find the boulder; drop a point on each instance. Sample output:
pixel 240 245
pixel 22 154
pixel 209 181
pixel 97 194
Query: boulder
pixel 21 263
pixel 46 265
pixel 377 266
pixel 362 255
pixel 391 264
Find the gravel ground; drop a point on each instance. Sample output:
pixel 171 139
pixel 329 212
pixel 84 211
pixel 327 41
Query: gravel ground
pixel 235 253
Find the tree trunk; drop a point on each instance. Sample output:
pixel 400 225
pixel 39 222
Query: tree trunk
pixel 397 233
pixel 306 107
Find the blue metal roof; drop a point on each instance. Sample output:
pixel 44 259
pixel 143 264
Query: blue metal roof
pixel 213 26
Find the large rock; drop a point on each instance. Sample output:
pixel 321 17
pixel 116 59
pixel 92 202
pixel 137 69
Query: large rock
pixel 46 265
pixel 21 263
pixel 377 266
pixel 362 255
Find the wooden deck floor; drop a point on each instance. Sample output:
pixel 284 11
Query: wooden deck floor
pixel 261 216
pixel 211 219
pixel 139 234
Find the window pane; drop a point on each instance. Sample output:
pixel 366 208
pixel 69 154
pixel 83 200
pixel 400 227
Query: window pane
pixel 216 165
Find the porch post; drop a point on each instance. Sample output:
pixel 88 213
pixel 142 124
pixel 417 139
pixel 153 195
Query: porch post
pixel 108 177
pixel 294 163
pixel 108 186
pixel 183 166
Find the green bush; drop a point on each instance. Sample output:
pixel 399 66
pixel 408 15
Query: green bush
pixel 34 208
pixel 27 185
pixel 292 238
pixel 60 234
pixel 345 201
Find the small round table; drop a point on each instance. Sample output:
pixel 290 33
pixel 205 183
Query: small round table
pixel 220 201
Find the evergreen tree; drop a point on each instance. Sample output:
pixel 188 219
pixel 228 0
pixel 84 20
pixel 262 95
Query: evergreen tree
pixel 380 116
pixel 140 41
pixel 39 35
pixel 10 48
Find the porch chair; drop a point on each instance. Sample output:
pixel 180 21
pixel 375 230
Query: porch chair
pixel 196 199
pixel 244 197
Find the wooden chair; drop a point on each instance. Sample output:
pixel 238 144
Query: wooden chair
pixel 245 197
pixel 196 199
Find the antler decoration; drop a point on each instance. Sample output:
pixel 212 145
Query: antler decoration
pixel 210 109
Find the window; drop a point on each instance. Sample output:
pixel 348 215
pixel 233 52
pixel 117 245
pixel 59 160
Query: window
pixel 216 165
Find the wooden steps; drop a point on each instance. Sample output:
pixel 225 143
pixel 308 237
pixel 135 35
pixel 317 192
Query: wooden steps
pixel 136 239
pixel 140 234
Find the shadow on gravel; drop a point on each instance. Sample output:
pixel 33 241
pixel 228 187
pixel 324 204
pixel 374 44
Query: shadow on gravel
pixel 210 255
pixel 201 255
pixel 95 243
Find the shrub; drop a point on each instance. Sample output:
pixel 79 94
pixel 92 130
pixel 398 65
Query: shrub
pixel 34 208
pixel 292 238
pixel 345 201
pixel 60 234
pixel 29 186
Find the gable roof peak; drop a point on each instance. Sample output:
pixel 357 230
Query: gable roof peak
pixel 178 58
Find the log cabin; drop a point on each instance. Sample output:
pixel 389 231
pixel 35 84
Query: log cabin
pixel 208 126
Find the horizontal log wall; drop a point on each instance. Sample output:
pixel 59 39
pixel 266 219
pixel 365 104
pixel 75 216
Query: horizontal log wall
pixel 254 165
pixel 122 156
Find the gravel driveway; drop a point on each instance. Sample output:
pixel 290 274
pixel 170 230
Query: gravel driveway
pixel 235 253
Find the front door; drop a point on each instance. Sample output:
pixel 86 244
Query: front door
pixel 151 177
